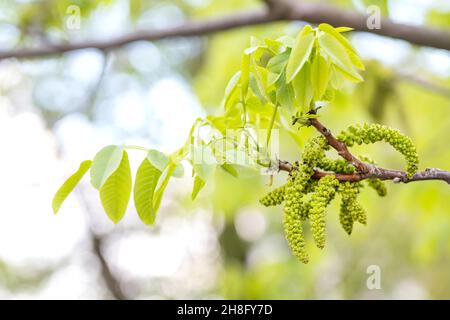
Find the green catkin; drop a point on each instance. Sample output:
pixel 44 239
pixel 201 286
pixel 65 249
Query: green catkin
pixel 292 221
pixel 376 184
pixel 372 133
pixel 298 207
pixel 322 196
pixel 337 166
pixel 293 231
pixel 346 218
pixel 350 205
pixel 274 197
pixel 314 151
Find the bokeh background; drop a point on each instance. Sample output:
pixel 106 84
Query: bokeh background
pixel 58 111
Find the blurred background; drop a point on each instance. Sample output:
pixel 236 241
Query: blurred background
pixel 57 111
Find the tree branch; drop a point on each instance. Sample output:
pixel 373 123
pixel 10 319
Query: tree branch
pixel 284 10
pixel 110 279
pixel 365 170
pixel 339 146
pixel 390 174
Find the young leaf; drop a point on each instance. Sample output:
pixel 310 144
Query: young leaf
pixel 354 77
pixel 343 29
pixel 229 168
pixel 276 66
pixel 245 76
pixel 275 46
pixel 356 60
pixel 198 185
pixel 179 171
pixel 203 161
pixel 303 88
pixel 260 77
pixel 325 27
pixel 320 75
pixel 115 192
pixel 162 184
pixel 277 63
pixel 338 54
pixel 231 90
pixel 285 93
pixel 337 78
pixel 258 88
pixel 147 177
pixel 288 41
pixel 68 186
pixel 336 32
pixel 300 53
pixel 160 161
pixel 105 162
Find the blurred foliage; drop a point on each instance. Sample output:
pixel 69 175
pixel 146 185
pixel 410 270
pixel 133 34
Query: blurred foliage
pixel 439 18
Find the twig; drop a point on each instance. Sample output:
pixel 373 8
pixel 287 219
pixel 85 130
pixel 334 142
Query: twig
pixel 110 280
pixel 365 170
pixel 339 146
pixel 282 11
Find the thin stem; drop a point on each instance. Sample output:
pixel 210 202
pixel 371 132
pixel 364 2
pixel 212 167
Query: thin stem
pixel 272 122
pixel 137 148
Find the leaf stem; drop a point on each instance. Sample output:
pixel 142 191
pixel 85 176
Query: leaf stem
pixel 272 122
pixel 137 148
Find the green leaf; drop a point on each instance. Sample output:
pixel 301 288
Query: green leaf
pixel 349 76
pixel 68 186
pixel 337 78
pixel 343 29
pixel 179 171
pixel 285 93
pixel 336 32
pixel 356 60
pixel 245 76
pixel 338 54
pixel 303 88
pixel 288 41
pixel 198 185
pixel 275 46
pixel 105 162
pixel 325 27
pixel 203 161
pixel 115 192
pixel 258 88
pixel 147 177
pixel 300 52
pixel 230 169
pixel 162 184
pixel 276 66
pixel 231 91
pixel 328 95
pixel 160 161
pixel 320 75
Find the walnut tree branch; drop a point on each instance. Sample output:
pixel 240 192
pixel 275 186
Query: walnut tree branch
pixel 340 147
pixel 281 10
pixel 365 170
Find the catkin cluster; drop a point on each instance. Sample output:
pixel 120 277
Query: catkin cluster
pixel 371 133
pixel 305 199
